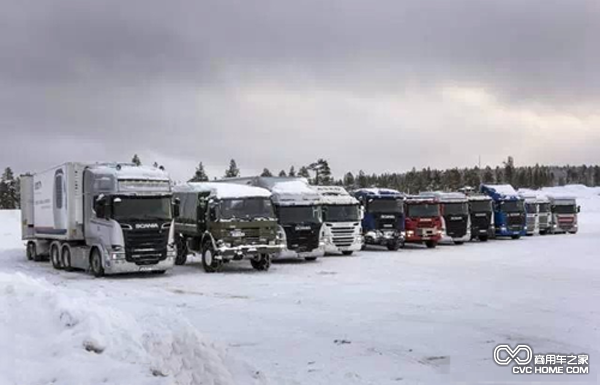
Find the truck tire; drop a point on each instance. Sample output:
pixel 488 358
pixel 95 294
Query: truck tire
pixel 96 263
pixel 483 238
pixel 182 251
pixel 347 252
pixel 458 242
pixel 158 272
pixel 210 264
pixel 31 252
pixel 431 244
pixel 310 259
pixel 515 236
pixel 65 258
pixel 262 263
pixel 55 256
pixel 393 246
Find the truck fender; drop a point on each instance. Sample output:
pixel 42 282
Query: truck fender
pixel 208 236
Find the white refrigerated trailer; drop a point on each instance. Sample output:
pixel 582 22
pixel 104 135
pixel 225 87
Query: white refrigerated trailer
pixel 107 218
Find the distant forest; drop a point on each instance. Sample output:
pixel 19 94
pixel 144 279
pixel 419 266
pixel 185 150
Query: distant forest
pixel 411 182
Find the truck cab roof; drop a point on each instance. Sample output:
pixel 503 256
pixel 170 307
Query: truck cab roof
pixel 285 191
pixel 445 197
pixel 335 195
pixel 224 190
pixel 501 192
pixel 127 178
pixel 376 192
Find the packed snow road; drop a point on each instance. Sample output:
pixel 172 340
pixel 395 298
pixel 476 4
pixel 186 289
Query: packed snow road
pixel 408 317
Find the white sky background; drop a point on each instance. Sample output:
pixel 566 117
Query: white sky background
pixel 378 86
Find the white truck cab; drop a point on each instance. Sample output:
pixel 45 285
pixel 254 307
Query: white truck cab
pixel 537 207
pixel 342 215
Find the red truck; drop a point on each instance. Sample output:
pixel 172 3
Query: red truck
pixel 423 221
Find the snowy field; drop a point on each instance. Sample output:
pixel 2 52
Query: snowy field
pixel 416 316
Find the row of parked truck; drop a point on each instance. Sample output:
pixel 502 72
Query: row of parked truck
pixel 114 218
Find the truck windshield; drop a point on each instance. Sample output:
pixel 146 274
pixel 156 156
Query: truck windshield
pixel 544 207
pixel 565 209
pixel 456 208
pixel 531 208
pixel 299 214
pixel 385 206
pixel 142 208
pixel 513 206
pixel 481 206
pixel 247 208
pixel 341 213
pixel 424 210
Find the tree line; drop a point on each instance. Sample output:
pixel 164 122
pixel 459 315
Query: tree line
pixel 412 182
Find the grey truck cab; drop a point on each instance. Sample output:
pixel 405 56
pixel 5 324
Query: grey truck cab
pixel 225 222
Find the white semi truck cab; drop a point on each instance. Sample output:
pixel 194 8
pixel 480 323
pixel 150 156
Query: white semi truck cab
pixel 342 215
pixel 299 214
pixel 564 214
pixel 107 218
pixel 537 207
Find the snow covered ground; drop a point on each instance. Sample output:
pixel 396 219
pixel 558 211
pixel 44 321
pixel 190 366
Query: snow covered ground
pixel 416 316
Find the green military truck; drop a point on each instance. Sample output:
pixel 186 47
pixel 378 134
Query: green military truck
pixel 225 222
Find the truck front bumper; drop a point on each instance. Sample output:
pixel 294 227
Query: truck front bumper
pixel 292 254
pixel 121 266
pixel 330 247
pixel 247 251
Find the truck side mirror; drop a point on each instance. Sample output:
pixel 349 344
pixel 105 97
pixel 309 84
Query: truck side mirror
pixel 100 207
pixel 578 209
pixel 176 207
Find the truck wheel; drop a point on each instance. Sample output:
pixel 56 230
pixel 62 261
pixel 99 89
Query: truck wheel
pixel 393 246
pixel 65 258
pixel 515 236
pixel 431 244
pixel 31 253
pixel 96 264
pixel 182 251
pixel 363 247
pixel 483 238
pixel 158 272
pixel 310 259
pixel 347 252
pixel 211 265
pixel 55 257
pixel 262 262
pixel 458 242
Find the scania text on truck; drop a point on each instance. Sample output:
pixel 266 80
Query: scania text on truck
pixel 383 221
pixel 456 222
pixel 107 218
pixel 482 217
pixel 341 216
pixel 225 222
pixel 564 214
pixel 423 221
pixel 299 214
pixel 509 210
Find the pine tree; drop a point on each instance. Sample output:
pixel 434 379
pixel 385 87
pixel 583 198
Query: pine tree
pixel 509 170
pixel 361 180
pixel 488 175
pixel 322 172
pixel 282 174
pixel 292 172
pixel 303 172
pixel 136 160
pixel 349 180
pixel 200 174
pixel 155 165
pixel 233 171
pixel 266 173
pixel 9 194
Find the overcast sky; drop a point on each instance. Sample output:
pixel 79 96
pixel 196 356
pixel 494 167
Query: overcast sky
pixel 374 85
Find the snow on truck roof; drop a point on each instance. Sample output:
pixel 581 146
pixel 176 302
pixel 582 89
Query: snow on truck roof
pixel 286 191
pixel 445 196
pixel 504 189
pixel 479 197
pixel 378 192
pixel 129 171
pixel 335 195
pixel 533 196
pixel 225 190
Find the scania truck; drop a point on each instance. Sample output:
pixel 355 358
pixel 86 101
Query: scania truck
pixel 564 214
pixel 423 221
pixel 106 218
pixel 224 222
pixel 510 217
pixel 383 221
pixel 456 222
pixel 482 217
pixel 342 216
pixel 299 214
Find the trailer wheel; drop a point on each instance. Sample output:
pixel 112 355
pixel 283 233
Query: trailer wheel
pixel 96 263
pixel 431 244
pixel 209 262
pixel 65 257
pixel 262 262
pixel 347 252
pixel 55 256
pixel 182 251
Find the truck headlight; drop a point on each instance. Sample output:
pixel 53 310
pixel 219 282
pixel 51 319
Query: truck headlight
pixel 410 233
pixel 117 256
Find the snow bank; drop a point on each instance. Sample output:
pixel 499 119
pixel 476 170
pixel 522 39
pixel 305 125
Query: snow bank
pixel 64 338
pixel 10 229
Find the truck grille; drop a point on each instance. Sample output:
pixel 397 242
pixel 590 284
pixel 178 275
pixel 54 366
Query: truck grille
pixel 302 240
pixel 146 247
pixel 514 223
pixel 343 236
pixel 456 228
pixel 530 223
pixel 480 222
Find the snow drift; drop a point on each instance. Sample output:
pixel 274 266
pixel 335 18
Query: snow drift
pixel 64 338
